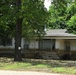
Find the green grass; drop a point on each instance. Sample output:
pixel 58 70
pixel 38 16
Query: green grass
pixel 15 65
pixel 69 70
pixel 21 66
pixel 68 67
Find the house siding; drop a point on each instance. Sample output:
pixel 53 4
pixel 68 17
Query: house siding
pixel 59 44
pixel 73 45
pixel 33 44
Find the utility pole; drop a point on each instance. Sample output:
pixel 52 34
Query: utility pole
pixel 18 33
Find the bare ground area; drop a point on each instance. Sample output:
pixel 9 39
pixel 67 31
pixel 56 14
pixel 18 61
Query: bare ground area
pixel 4 72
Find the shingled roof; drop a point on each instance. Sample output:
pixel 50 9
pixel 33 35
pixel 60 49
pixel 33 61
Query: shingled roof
pixel 58 32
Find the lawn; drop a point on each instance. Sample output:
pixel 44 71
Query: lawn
pixel 55 66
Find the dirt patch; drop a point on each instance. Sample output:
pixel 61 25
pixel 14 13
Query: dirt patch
pixel 3 72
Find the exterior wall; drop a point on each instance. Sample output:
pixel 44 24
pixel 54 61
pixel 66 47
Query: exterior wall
pixel 59 44
pixel 37 45
pixel 13 43
pixel 73 45
pixel 33 44
pixel 23 42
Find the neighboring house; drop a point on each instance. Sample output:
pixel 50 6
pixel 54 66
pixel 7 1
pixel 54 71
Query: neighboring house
pixel 57 41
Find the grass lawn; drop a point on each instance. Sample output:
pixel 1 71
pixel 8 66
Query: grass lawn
pixel 55 66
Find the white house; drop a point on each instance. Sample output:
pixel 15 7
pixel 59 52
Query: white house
pixel 57 41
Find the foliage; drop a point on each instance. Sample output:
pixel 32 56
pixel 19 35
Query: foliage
pixel 22 18
pixel 7 23
pixel 35 17
pixel 57 14
pixel 62 15
pixel 32 12
pixel 71 22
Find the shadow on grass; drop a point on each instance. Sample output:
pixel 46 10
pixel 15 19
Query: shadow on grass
pixel 58 66
pixel 48 63
pixel 51 63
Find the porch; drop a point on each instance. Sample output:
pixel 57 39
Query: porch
pixel 52 49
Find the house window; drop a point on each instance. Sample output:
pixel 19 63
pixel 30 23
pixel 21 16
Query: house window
pixel 47 44
pixel 67 45
pixel 1 42
pixel 26 45
pixel 6 42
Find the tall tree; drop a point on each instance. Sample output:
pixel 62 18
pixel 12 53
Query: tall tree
pixel 57 18
pixel 71 17
pixel 35 17
pixel 23 18
pixel 38 18
pixel 18 32
pixel 62 15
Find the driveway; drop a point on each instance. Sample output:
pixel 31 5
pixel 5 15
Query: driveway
pixel 4 72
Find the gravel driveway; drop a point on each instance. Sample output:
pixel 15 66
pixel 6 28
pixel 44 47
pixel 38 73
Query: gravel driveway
pixel 3 72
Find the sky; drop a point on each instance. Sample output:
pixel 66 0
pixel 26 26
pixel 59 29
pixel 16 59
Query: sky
pixel 47 3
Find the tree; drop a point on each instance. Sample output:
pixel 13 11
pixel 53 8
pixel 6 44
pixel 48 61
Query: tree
pixel 6 22
pixel 29 18
pixel 35 17
pixel 71 18
pixel 18 32
pixel 57 14
pixel 38 19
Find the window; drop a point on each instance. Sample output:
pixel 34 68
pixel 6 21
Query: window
pixel 67 45
pixel 0 41
pixel 47 44
pixel 6 42
pixel 26 45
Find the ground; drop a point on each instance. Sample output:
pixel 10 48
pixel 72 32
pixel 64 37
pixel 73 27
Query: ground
pixel 37 67
pixel 3 72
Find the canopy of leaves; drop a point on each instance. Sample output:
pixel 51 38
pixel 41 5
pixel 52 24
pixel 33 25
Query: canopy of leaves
pixel 35 17
pixel 62 15
pixel 71 22
pixel 6 21
pixel 57 14
pixel 33 13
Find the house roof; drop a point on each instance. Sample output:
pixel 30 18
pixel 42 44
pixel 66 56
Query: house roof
pixel 59 32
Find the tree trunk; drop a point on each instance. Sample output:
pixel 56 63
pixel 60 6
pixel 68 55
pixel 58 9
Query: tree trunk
pixel 18 37
pixel 18 34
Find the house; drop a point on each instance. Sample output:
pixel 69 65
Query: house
pixel 55 44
